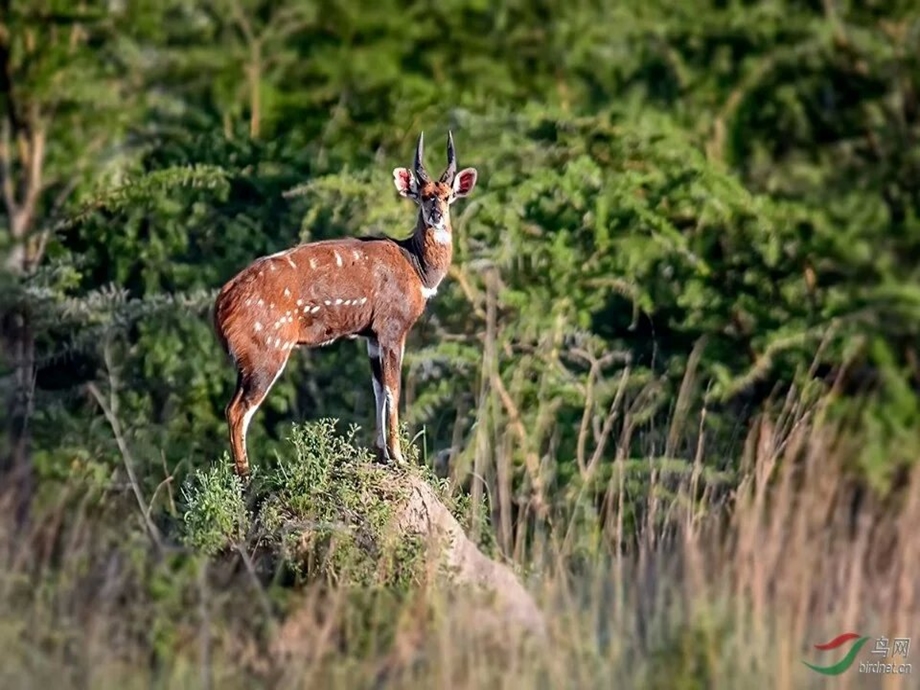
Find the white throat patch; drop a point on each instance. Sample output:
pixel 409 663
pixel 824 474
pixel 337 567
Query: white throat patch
pixel 441 235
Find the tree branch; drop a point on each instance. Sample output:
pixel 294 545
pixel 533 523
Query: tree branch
pixel 34 147
pixel 242 21
pixel 6 168
pixel 110 411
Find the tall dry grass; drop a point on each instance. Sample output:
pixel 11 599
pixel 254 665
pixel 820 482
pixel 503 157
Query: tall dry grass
pixel 706 588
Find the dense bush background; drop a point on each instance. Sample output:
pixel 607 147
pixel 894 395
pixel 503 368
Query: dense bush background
pixel 692 219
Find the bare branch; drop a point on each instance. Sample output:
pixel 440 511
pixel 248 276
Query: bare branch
pixel 287 21
pixel 242 21
pixel 110 411
pixel 586 416
pixel 474 298
pixel 6 168
pixel 34 148
pixel 608 423
pixel 531 459
pixel 60 199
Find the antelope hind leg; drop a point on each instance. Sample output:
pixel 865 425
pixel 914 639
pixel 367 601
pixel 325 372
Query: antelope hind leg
pixel 252 387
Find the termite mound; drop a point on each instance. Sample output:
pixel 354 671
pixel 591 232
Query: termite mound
pixel 329 518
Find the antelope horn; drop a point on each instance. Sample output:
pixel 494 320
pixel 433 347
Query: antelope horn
pixel 451 170
pixel 420 173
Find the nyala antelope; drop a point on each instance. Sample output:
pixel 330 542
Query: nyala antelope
pixel 316 293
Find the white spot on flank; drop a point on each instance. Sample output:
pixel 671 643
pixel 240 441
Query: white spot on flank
pixel 287 293
pixel 338 301
pixel 292 264
pixel 248 301
pixel 272 267
pixel 258 326
pixel 338 259
pixel 358 255
pixel 363 300
pixel 312 263
pixel 261 302
pixel 314 309
pixel 271 305
pixel 277 325
pixel 428 292
pixel 299 302
pixel 327 303
pixel 347 302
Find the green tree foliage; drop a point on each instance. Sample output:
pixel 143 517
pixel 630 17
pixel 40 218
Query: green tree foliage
pixel 69 97
pixel 692 221
pixel 720 196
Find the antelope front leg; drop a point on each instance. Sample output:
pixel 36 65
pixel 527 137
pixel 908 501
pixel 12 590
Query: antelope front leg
pixel 380 401
pixel 391 356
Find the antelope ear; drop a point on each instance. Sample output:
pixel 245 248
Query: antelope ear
pixel 464 181
pixel 405 183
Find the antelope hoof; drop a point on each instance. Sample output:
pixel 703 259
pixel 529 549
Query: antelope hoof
pixel 383 456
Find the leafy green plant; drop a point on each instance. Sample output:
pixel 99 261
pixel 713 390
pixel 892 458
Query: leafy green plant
pixel 216 516
pixel 325 509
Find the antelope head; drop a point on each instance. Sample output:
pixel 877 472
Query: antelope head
pixel 434 197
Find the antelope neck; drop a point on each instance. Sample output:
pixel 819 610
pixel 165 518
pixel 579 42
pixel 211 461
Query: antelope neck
pixel 428 257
